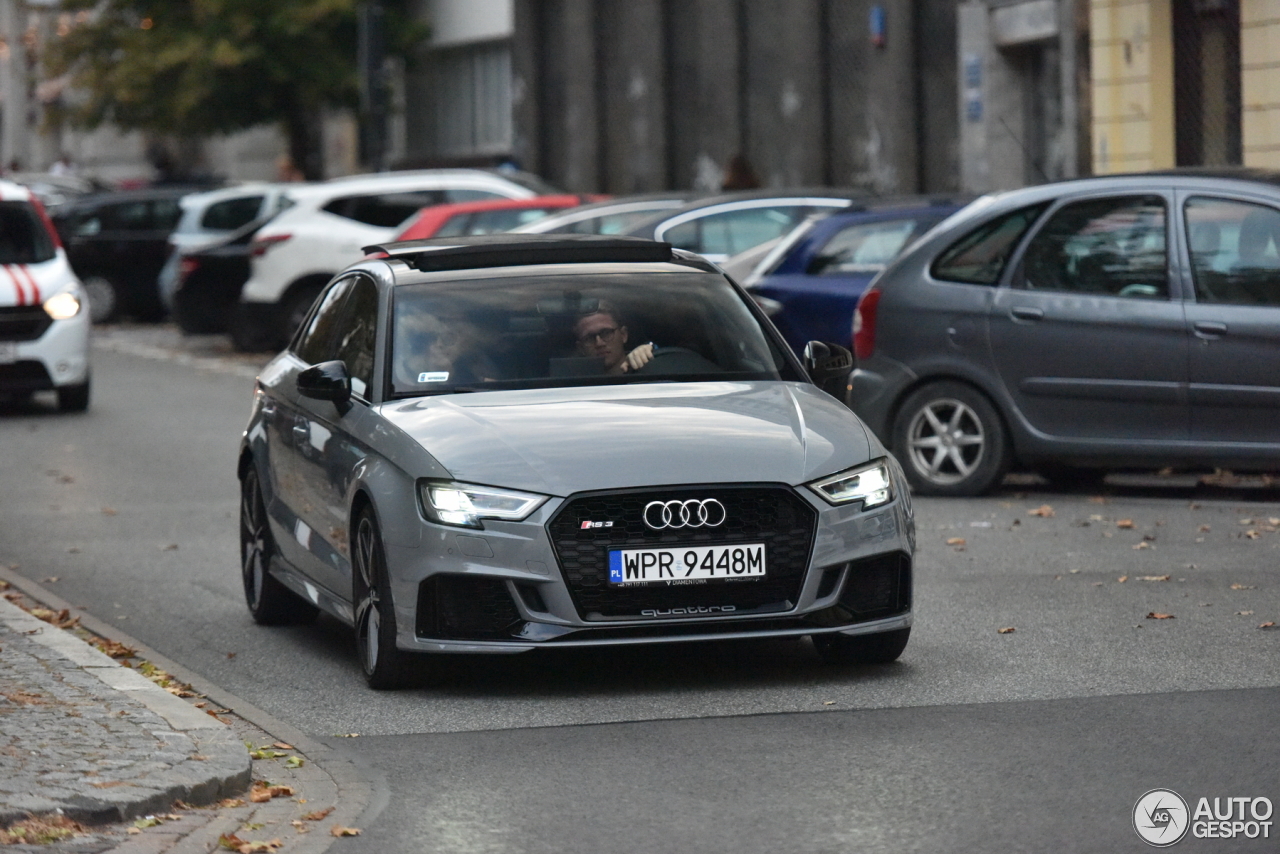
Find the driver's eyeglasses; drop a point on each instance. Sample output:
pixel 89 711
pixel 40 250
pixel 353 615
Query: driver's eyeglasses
pixel 605 335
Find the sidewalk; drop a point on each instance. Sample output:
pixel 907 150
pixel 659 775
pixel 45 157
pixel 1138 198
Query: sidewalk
pixel 139 770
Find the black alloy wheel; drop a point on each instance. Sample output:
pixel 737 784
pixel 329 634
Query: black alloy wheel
pixel 951 440
pixel 383 663
pixel 880 648
pixel 269 601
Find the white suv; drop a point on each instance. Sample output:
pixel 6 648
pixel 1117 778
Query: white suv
pixel 44 319
pixel 294 255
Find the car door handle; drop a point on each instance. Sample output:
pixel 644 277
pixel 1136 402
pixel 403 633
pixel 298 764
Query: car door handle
pixel 1024 312
pixel 1209 329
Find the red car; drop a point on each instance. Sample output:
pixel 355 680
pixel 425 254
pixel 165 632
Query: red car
pixel 486 217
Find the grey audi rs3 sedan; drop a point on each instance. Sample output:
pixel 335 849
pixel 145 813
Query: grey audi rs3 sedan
pixel 502 443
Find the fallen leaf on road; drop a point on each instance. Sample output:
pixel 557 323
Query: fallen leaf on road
pixel 1153 578
pixel 1098 499
pixel 1124 523
pixel 172 547
pixel 1006 631
pixel 53 579
pixel 294 762
pixel 1204 529
pixel 1246 521
pixel 229 803
pixel 1252 534
pixel 1270 624
pixel 263 792
pixel 344 831
pixel 828 702
pixel 1244 587
pixel 279 745
pixel 1098 583
pixel 1044 511
pixel 956 541
pixel 74 550
pixel 1122 579
pixel 108 511
pixel 1142 545
pixel 1155 615
pixel 318 815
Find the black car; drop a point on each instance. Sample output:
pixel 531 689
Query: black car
pixel 210 279
pixel 1113 322
pixel 117 242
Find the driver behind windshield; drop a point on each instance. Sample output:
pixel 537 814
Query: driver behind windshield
pixel 601 334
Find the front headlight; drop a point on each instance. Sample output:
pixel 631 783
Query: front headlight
pixel 62 306
pixel 464 504
pixel 869 484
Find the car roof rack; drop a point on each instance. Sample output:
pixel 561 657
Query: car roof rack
pixel 512 250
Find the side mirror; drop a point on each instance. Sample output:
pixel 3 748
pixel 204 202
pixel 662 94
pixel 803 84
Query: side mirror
pixel 829 366
pixel 326 381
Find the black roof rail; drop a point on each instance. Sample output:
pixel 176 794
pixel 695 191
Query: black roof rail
pixel 513 250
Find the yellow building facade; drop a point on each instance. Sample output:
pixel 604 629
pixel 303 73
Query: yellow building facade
pixel 1184 82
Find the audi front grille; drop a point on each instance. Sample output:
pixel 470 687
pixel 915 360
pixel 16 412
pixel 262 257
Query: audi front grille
pixel 769 514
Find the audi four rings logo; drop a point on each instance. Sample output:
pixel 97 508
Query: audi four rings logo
pixel 694 513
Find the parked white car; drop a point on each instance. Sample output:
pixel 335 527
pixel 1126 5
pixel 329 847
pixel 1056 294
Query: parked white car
pixel 298 252
pixel 208 217
pixel 44 317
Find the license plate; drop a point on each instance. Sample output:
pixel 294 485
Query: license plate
pixel 689 565
pixel 8 352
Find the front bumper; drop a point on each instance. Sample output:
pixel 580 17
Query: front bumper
pixel 39 353
pixel 508 588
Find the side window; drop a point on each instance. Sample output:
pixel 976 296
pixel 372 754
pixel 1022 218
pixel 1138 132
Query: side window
pixel 979 258
pixel 863 248
pixel 1112 247
pixel 357 332
pixel 384 210
pixel 1235 251
pixel 165 214
pixel 126 216
pixel 737 231
pixel 686 235
pixel 231 214
pixel 472 195
pixel 454 226
pixel 314 343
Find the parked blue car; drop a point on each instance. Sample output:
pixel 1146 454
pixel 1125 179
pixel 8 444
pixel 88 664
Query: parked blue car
pixel 810 282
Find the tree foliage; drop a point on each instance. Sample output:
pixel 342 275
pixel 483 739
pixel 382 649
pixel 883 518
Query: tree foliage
pixel 200 67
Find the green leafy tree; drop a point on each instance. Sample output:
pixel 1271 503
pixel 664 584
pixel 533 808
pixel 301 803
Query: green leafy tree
pixel 202 67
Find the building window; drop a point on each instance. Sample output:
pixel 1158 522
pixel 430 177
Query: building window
pixel 472 100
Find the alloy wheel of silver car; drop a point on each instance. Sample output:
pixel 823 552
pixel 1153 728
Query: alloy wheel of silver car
pixel 947 441
pixel 270 602
pixel 382 662
pixel 951 440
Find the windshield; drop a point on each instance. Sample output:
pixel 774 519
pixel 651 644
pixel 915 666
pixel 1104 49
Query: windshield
pixel 23 237
pixel 584 329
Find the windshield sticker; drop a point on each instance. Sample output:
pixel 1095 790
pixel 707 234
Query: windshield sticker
pixel 433 377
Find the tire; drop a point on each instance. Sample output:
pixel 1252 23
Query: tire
pixel 951 440
pixel 880 648
pixel 74 398
pixel 385 666
pixel 270 602
pixel 104 299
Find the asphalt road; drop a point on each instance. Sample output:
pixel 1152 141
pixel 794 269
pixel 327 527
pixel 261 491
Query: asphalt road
pixel 1039 738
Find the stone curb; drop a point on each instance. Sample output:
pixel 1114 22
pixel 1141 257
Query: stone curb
pixel 223 770
pixel 330 777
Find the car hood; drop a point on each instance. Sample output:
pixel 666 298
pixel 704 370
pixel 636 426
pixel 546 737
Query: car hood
pixel 566 440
